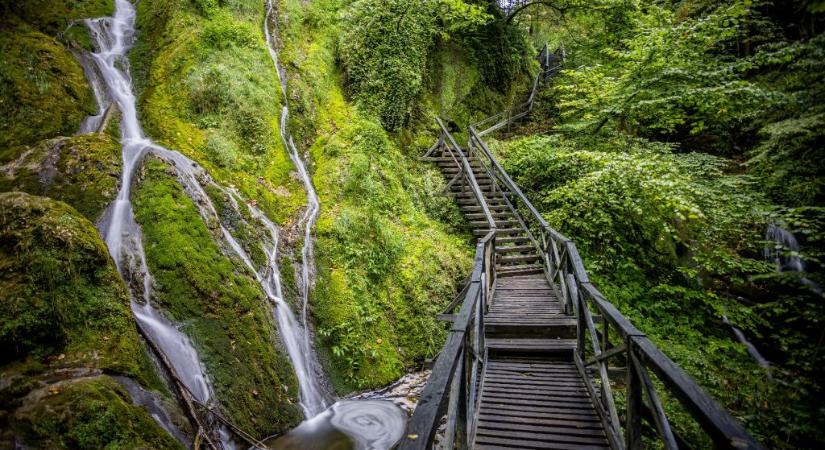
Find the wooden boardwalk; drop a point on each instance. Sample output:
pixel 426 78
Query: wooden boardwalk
pixel 531 393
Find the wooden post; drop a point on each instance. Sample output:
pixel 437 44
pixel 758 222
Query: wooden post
pixel 633 419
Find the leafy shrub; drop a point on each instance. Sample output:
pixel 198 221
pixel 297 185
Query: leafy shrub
pixel 384 50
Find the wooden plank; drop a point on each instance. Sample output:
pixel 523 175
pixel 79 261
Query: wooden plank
pixel 542 429
pixel 567 422
pixel 539 437
pixel 492 442
pixel 539 412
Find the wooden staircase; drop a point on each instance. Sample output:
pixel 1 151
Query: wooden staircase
pixel 515 252
pixel 526 362
pixel 529 340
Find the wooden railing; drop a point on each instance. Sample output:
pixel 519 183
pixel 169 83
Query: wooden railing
pixel 550 64
pixel 604 337
pixel 452 388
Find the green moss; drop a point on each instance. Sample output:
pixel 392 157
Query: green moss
pixel 81 171
pixel 62 294
pixel 386 264
pixel 222 308
pixel 43 91
pixel 54 16
pixel 208 89
pixel 92 413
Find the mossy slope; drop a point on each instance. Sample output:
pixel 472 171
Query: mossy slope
pixel 43 91
pixel 220 306
pixel 386 260
pixel 208 89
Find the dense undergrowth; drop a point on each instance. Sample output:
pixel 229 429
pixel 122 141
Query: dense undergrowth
pixel 683 132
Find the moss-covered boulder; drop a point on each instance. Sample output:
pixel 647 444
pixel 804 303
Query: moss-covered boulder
pixel 87 413
pixel 82 171
pixel 43 91
pixel 61 293
pixel 221 307
pixel 65 320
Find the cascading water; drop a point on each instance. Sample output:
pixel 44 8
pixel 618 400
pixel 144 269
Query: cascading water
pixel 313 397
pixel 783 242
pixel 783 250
pixel 113 36
pixel 91 123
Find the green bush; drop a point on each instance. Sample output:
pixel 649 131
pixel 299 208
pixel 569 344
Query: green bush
pixel 385 46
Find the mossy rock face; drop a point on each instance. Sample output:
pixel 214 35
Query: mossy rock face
pixel 207 88
pixel 223 309
pixel 43 91
pixel 86 413
pixel 54 16
pixel 82 171
pixel 61 292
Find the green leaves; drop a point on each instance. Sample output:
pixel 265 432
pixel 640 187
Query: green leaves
pixel 385 45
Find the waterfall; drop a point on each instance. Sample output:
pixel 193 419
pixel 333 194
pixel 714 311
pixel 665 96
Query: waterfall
pixel 91 123
pixel 783 250
pixel 367 423
pixel 312 398
pixel 783 241
pixel 113 37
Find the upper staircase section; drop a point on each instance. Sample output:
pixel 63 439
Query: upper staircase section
pixel 535 352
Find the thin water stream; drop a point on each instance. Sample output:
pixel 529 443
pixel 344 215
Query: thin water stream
pixel 365 424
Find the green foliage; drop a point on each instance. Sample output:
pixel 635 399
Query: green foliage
pixel 221 306
pixel 61 292
pixel 385 45
pixel 777 158
pixel 54 16
pixel 81 171
pixel 385 264
pixel 92 413
pixel 663 234
pixel 43 91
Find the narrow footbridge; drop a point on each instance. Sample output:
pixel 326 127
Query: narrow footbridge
pixel 536 355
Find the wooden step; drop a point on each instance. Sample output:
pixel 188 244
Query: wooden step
pixel 516 259
pixel 526 269
pixel 501 231
pixel 499 223
pixel 514 249
pixel 515 346
pixel 485 183
pixel 512 239
pixel 481 216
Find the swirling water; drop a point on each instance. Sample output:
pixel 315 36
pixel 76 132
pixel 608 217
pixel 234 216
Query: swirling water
pixel 348 424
